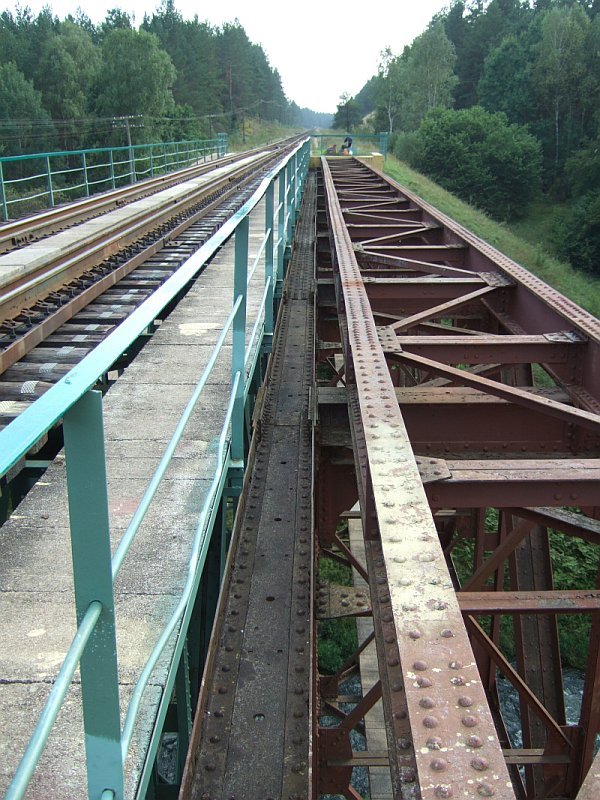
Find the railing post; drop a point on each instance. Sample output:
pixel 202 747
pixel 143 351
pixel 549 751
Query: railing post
pixel 3 202
pixel 281 180
pixel 151 163
pixel 269 258
pixel 92 573
pixel 132 175
pixel 49 183
pixel 112 169
pixel 290 203
pixel 86 182
pixel 238 357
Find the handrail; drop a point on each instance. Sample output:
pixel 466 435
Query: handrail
pixel 59 401
pixel 54 703
pixel 200 543
pixel 148 496
pixel 140 160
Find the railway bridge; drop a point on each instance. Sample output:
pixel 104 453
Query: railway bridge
pixel 258 403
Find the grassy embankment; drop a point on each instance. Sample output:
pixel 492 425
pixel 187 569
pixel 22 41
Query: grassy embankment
pixel 527 242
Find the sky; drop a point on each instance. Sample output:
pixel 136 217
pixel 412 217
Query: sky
pixel 321 49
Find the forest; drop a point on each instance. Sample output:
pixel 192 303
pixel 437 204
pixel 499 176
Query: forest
pixel 70 84
pixel 498 102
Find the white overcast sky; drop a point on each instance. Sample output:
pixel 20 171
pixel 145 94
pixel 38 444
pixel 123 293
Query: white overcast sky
pixel 320 48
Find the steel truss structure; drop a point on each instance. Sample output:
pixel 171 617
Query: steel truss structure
pixel 460 415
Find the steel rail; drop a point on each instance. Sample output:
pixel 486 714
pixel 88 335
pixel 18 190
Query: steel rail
pixel 81 255
pixel 424 649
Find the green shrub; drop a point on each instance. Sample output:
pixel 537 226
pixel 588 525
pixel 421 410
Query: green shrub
pixel 479 157
pixel 577 237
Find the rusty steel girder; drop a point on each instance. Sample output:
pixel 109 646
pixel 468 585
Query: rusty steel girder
pixel 460 413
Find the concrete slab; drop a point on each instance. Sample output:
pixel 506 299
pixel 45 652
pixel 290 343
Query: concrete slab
pixel 36 608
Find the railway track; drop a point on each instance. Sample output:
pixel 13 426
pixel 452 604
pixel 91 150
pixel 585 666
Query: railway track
pixel 25 230
pixel 65 302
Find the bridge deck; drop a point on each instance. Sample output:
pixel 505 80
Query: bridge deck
pixel 36 596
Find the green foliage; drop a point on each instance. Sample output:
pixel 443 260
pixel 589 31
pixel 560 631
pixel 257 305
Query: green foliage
pixel 337 641
pixel 575 566
pixel 506 83
pixel 577 237
pixel 467 152
pixel 19 100
pixel 337 637
pixel 184 77
pixel 347 115
pixel 580 287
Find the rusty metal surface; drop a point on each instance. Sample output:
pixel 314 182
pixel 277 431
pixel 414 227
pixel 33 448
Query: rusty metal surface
pixel 436 673
pixel 436 344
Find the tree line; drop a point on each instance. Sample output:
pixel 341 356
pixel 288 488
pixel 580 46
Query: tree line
pixel 69 84
pixel 497 100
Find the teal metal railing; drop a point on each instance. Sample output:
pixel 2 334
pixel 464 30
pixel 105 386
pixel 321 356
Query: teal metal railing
pixel 32 182
pixel 362 143
pixel 75 401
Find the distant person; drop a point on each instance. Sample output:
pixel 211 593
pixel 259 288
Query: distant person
pixel 347 143
pixel 330 151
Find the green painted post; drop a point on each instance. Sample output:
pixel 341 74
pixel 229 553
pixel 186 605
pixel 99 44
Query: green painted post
pixel 151 163
pixel 112 169
pixel 240 280
pixel 269 257
pixel 281 230
pixel 290 204
pixel 92 574
pixel 86 182
pixel 3 196
pixel 295 168
pixel 49 183
pixel 184 710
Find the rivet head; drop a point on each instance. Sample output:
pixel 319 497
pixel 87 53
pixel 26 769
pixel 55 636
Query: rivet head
pixel 485 789
pixel 434 743
pixel 393 661
pixel 447 634
pixel 480 763
pixel 404 743
pixel 397 686
pixel 439 764
pixel 459 681
pixel 420 666
pixel 475 742
pixel 430 722
pixel 443 790
pixel 455 665
pixel 408 775
pixel 470 721
pixel 424 683
pixel 415 634
pixel 427 702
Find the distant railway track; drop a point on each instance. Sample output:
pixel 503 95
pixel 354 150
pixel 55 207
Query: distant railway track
pixel 67 300
pixel 25 230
